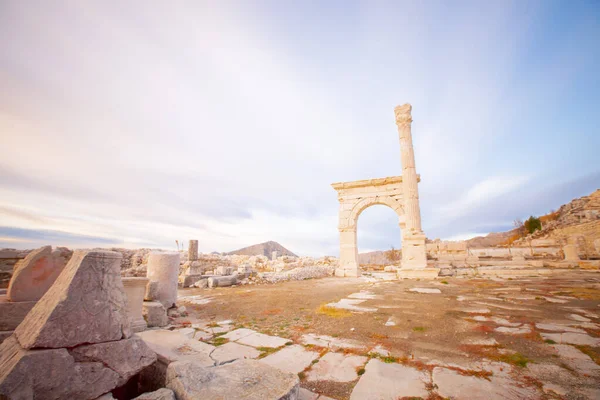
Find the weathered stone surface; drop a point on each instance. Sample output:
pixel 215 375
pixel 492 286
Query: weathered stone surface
pixel 33 276
pixel 160 394
pixel 126 357
pixel 306 394
pixel 5 335
pixel 336 367
pixel 50 374
pixel 390 381
pixel 261 340
pixel 151 291
pixel 451 384
pixel 572 338
pixel 293 359
pixel 577 360
pixel 155 314
pixel 164 269
pixel 86 304
pixel 193 250
pixel 245 379
pixel 233 351
pixel 12 314
pixel 135 289
pixel 172 346
pixel 425 290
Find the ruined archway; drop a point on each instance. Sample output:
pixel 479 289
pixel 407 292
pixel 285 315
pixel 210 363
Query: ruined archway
pixel 398 192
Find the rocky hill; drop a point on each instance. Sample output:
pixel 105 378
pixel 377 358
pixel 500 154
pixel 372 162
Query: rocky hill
pixel 373 258
pixel 264 249
pixel 577 220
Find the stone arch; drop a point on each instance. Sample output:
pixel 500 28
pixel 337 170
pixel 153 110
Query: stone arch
pixel 354 198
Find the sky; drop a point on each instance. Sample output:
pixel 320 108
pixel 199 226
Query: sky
pixel 138 123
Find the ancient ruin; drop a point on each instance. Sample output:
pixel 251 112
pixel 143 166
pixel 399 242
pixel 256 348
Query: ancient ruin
pixel 400 193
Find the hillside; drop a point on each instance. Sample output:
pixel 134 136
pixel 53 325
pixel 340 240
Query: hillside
pixel 578 218
pixel 265 249
pixel 373 258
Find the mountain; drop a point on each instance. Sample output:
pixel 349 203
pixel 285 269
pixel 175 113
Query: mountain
pixel 265 249
pixel 373 258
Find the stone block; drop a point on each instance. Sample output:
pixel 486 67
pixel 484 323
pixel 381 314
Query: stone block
pixel 135 289
pixel 222 281
pixel 293 359
pixel 390 381
pixel 50 374
pixel 244 379
pixel 12 314
pixel 164 269
pixel 151 291
pixel 33 276
pixel 193 250
pixel 422 273
pixel 86 304
pixel 155 314
pixel 126 357
pixel 571 252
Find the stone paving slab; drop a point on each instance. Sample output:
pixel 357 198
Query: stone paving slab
pixel 233 351
pixel 172 346
pixel 571 338
pixel 261 340
pixel 451 384
pixel 292 359
pixel 351 305
pixel 558 328
pixel 364 295
pixel 331 342
pixel 383 381
pixel 577 360
pixel 425 290
pixel 336 367
pixel 238 334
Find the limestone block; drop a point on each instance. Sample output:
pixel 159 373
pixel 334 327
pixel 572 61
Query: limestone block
pixel 12 314
pixel 155 314
pixel 151 291
pixel 160 394
pixel 223 270
pixel 193 250
pixel 571 252
pixel 222 281
pixel 244 379
pixel 33 276
pixel 86 304
pixel 135 289
pixel 201 283
pixel 597 246
pixel 164 269
pixel 126 357
pixel 50 374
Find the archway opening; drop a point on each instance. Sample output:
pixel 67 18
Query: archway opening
pixel 379 239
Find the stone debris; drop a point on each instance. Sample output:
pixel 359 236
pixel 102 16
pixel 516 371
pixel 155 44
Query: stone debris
pixel 87 304
pixel 336 367
pixel 293 359
pixel 390 381
pixel 297 274
pixel 155 314
pixel 33 276
pixel 244 379
pixel 425 290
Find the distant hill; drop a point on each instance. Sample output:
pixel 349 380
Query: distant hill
pixel 264 249
pixel 491 240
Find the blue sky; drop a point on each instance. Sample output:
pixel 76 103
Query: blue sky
pixel 137 123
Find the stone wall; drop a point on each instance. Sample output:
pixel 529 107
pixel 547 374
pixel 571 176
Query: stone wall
pixel 583 235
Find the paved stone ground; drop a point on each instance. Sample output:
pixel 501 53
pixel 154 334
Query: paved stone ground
pixel 522 338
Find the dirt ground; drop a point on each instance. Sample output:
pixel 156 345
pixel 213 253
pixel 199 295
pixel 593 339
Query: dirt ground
pixel 426 329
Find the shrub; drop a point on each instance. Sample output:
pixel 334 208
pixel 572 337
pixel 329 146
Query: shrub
pixel 533 224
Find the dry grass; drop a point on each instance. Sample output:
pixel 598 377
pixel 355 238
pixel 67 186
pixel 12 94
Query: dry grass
pixel 273 311
pixel 333 312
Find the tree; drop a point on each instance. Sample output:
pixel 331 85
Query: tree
pixel 533 224
pixel 393 255
pixel 520 227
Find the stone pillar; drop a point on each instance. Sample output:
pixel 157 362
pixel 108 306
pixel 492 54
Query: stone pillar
pixel 163 268
pixel 135 289
pixel 414 252
pixel 274 255
pixel 348 254
pixel 571 252
pixel 193 250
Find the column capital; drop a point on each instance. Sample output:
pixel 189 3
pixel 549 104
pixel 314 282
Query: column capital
pixel 403 114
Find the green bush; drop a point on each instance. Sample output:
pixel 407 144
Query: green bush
pixel 533 224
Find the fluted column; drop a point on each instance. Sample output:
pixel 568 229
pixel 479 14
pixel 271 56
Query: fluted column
pixel 409 172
